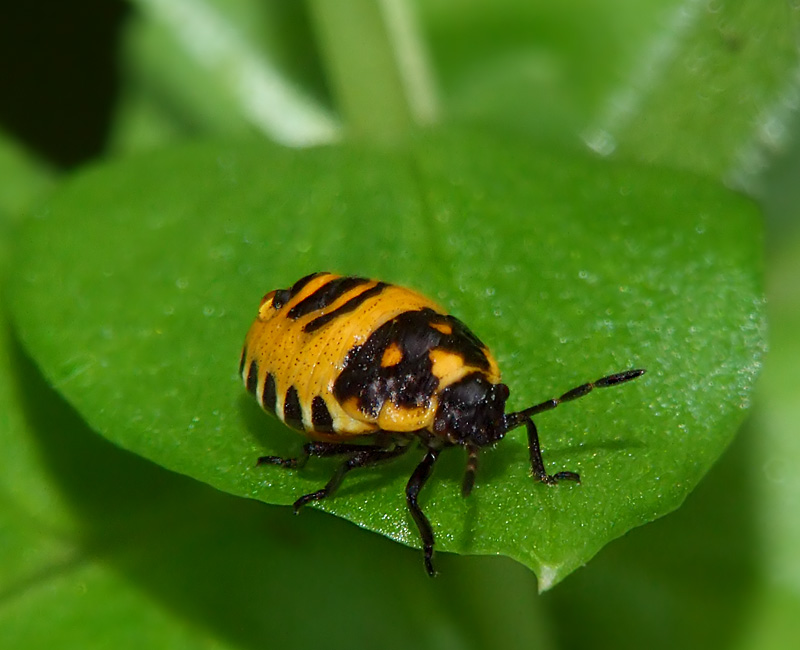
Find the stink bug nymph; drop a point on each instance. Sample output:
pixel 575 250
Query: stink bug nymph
pixel 364 368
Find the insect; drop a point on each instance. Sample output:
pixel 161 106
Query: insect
pixel 364 369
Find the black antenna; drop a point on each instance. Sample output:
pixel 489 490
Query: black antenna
pixel 513 420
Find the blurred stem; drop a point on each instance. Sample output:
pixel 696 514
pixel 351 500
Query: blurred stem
pixel 376 66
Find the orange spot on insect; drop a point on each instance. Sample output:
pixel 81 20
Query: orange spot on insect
pixel 351 407
pixel 402 418
pixel 444 328
pixel 391 356
pixel 445 363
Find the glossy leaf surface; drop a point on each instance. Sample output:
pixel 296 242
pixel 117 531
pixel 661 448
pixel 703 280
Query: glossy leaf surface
pixel 136 285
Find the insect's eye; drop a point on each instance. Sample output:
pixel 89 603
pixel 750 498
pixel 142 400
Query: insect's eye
pixel 275 299
pixel 503 392
pixel 280 298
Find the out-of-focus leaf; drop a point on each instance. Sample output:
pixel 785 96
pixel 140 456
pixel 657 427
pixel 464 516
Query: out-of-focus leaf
pixel 707 86
pixel 203 66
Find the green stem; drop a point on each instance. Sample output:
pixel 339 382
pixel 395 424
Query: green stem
pixel 376 66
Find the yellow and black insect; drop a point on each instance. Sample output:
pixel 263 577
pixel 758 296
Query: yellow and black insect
pixel 364 368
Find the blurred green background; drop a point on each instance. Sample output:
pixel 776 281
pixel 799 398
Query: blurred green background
pixel 709 87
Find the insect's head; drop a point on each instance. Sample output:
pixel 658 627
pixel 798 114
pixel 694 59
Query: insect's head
pixel 471 412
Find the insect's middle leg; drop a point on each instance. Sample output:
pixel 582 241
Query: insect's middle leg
pixel 415 483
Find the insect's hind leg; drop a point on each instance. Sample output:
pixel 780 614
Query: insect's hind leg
pixel 358 456
pixel 318 449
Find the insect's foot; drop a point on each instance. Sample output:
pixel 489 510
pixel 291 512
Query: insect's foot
pixel 429 562
pixel 290 463
pixel 308 498
pixel 566 476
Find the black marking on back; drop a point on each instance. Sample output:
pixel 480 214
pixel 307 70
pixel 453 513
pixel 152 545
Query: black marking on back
pixel 298 286
pixel 269 397
pixel 242 361
pixel 349 306
pixel 292 413
pixel 325 296
pixel 411 382
pixel 251 381
pixel 282 296
pixel 320 415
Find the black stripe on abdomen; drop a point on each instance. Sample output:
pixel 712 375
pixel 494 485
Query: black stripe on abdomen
pixel 242 361
pixel 349 306
pixel 251 380
pixel 269 397
pixel 320 415
pixel 297 286
pixel 325 296
pixel 292 413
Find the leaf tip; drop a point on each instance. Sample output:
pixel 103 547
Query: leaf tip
pixel 549 575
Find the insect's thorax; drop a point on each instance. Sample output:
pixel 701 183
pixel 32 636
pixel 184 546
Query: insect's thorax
pixel 395 379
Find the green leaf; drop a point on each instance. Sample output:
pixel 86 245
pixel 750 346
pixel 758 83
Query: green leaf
pixel 136 285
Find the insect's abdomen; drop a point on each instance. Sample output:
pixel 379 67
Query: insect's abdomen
pixel 338 357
